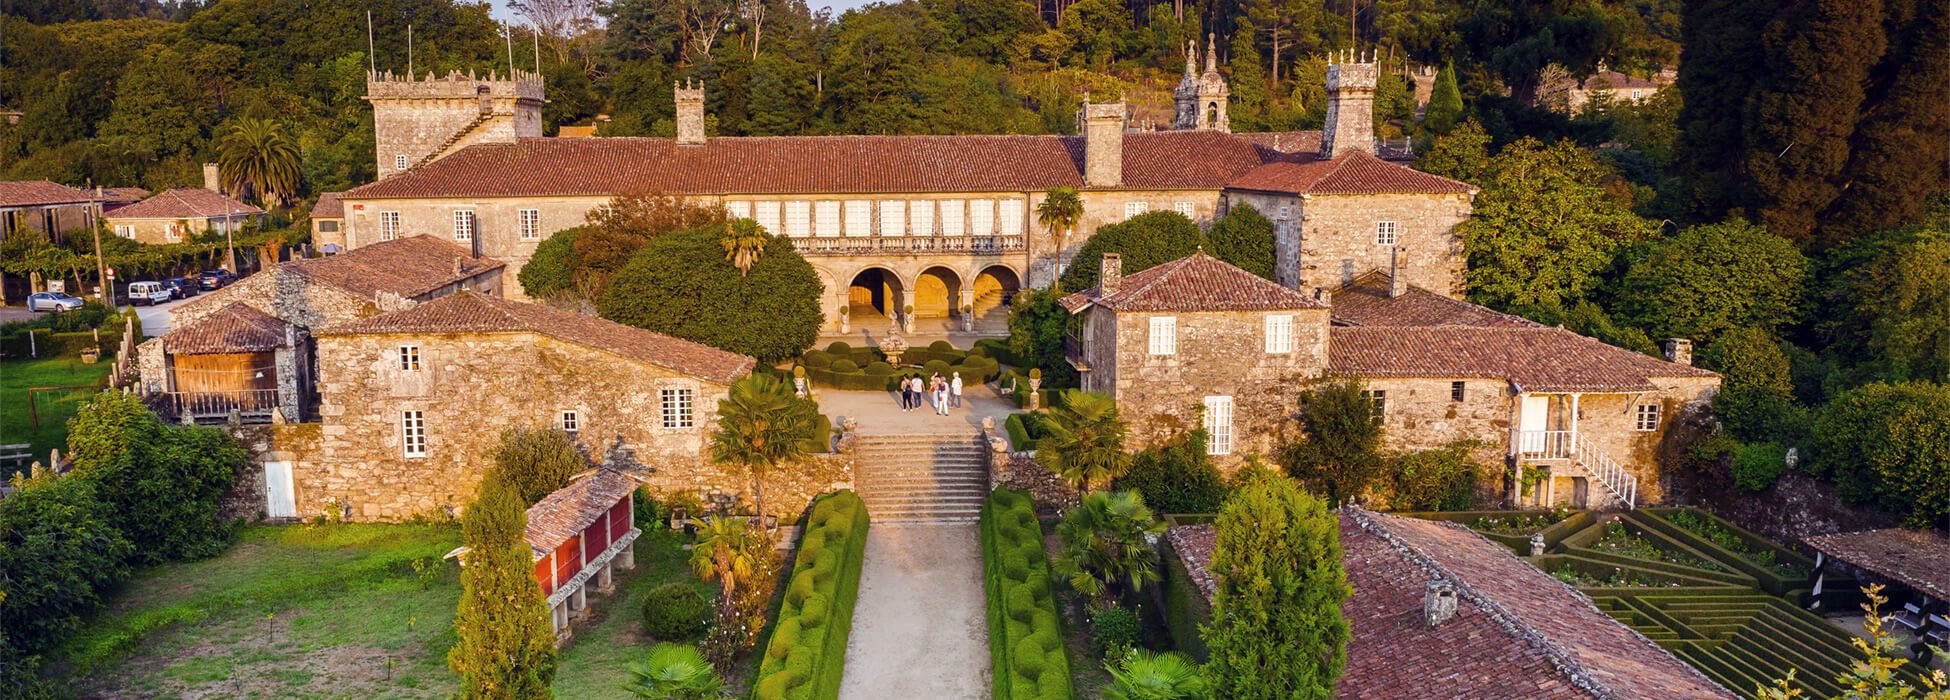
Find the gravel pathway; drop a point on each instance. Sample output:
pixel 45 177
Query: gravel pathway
pixel 920 631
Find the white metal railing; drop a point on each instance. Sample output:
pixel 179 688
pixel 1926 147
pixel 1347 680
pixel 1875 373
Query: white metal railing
pixel 869 245
pixel 1544 445
pixel 252 405
pixel 1569 445
pixel 1609 472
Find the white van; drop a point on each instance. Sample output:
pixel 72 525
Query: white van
pixel 150 293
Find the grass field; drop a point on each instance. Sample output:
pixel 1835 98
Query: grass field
pixel 17 376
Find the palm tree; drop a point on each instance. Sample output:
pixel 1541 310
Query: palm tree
pixel 675 672
pixel 1146 675
pixel 1106 547
pixel 762 423
pixel 1085 444
pixel 256 156
pixel 744 240
pixel 1059 212
pixel 727 552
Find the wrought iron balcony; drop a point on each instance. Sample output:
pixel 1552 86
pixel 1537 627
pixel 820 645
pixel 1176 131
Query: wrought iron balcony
pixel 1076 352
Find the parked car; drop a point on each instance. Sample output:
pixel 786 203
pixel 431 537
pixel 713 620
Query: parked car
pixel 183 287
pixel 151 293
pixel 216 279
pixel 52 301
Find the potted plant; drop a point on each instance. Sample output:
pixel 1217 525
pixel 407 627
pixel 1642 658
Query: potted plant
pixel 907 318
pixel 844 310
pixel 967 318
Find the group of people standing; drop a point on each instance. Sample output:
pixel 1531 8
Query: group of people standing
pixel 942 393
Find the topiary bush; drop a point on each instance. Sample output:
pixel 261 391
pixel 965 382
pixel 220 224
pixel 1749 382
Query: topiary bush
pixel 878 369
pixel 844 367
pixel 817 359
pixel 807 652
pixel 1115 631
pixel 1026 647
pixel 934 367
pixel 679 284
pixel 675 612
pixel 839 348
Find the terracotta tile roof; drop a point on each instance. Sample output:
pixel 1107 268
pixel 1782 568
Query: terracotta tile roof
pixel 1355 172
pixel 1919 559
pixel 236 328
pixel 328 207
pixel 1584 646
pixel 1617 81
pixel 471 312
pixel 565 513
pixel 1196 282
pixel 1283 141
pixel 124 195
pixel 1534 359
pixel 33 193
pixel 183 203
pixel 408 267
pixel 817 164
pixel 1365 302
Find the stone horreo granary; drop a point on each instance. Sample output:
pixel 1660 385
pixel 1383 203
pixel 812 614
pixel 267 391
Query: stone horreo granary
pixel 580 536
pixel 944 224
pixel 1199 343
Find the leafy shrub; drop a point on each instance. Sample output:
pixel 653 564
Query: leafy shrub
pixel 59 554
pixel 879 369
pixel 807 653
pixel 536 461
pixel 161 482
pixel 1144 241
pixel 1443 479
pixel 1756 467
pixel 816 359
pixel 1026 647
pixel 839 347
pixel 1889 443
pixel 550 272
pixel 679 284
pixel 676 612
pixel 934 367
pixel 1176 477
pixel 820 440
pixel 844 367
pixel 1115 631
pixel 941 346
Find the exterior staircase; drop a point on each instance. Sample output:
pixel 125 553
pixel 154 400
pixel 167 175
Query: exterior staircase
pixel 921 479
pixel 453 139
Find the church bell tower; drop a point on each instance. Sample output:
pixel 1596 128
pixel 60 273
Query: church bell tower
pixel 1201 97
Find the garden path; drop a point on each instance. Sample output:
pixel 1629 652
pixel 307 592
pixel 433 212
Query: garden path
pixel 921 628
pixel 879 412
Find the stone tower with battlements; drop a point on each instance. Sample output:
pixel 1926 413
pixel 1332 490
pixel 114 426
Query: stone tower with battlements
pixel 1350 107
pixel 1201 97
pixel 417 120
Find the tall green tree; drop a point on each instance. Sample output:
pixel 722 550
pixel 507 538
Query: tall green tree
pixel 1144 241
pixel 1461 154
pixel 1543 226
pixel 1243 238
pixel 1889 444
pixel 255 156
pixel 1714 278
pixel 1340 455
pixel 1806 107
pixel 1756 388
pixel 680 285
pixel 550 272
pixel 1888 298
pixel 762 423
pixel 1085 442
pixel 1037 324
pixel 1107 553
pixel 1059 212
pixel 1277 632
pixel 507 641
pixel 536 462
pixel 1445 108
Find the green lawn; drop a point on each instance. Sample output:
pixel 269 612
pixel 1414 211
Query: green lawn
pixel 17 376
pixel 598 658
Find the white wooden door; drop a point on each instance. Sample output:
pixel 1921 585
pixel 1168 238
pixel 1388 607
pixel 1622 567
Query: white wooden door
pixel 280 496
pixel 1536 414
pixel 1218 425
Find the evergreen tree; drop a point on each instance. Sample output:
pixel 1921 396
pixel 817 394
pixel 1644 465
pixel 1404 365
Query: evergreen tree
pixel 1244 239
pixel 536 462
pixel 1277 632
pixel 1341 453
pixel 507 642
pixel 1902 145
pixel 1144 242
pixel 1248 83
pixel 1714 278
pixel 1756 391
pixel 1445 108
pixel 773 113
pixel 1462 154
pixel 1805 108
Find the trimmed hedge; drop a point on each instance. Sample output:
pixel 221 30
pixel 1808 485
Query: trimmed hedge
pixel 1520 544
pixel 1024 430
pixel 1770 578
pixel 1026 650
pixel 50 344
pixel 999 350
pixel 866 369
pixel 807 653
pixel 821 439
pixel 1186 609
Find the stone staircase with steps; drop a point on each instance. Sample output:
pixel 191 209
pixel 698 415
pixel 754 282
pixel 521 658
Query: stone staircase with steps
pixel 921 479
pixel 454 138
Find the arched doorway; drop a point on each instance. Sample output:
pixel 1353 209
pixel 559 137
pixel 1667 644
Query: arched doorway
pixel 937 293
pixel 993 289
pixel 874 296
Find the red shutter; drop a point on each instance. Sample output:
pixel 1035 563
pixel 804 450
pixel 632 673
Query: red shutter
pixel 597 534
pixel 568 559
pixel 544 567
pixel 622 517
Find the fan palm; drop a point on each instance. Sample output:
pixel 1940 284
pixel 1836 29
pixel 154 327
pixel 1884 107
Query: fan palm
pixel 1146 675
pixel 674 672
pixel 761 423
pixel 726 552
pixel 743 240
pixel 1106 545
pixel 1085 440
pixel 255 156
pixel 1059 212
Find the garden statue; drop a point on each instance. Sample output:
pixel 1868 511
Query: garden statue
pixel 907 318
pixel 1035 388
pixel 843 318
pixel 893 345
pixel 967 318
pixel 799 380
pixel 1537 544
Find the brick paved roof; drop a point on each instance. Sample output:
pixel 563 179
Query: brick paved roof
pixel 1196 282
pixel 328 207
pixel 472 312
pixel 183 203
pixel 1919 559
pixel 565 513
pixel 33 193
pixel 1534 359
pixel 1354 172
pixel 817 164
pixel 236 328
pixel 408 267
pixel 1365 302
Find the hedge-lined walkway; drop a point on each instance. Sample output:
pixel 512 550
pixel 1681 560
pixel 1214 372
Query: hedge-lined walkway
pixel 921 628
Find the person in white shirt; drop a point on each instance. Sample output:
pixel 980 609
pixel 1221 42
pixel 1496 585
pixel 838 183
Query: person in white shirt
pixel 954 391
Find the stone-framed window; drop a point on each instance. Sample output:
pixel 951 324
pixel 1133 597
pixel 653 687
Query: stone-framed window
pixel 413 434
pixel 464 226
pixel 1646 417
pixel 1458 390
pixel 1384 233
pixel 570 422
pixel 1011 217
pixel 920 218
pixel 798 219
pixel 954 214
pixel 859 217
pixel 893 217
pixel 1279 334
pixel 1133 210
pixel 738 210
pixel 826 218
pixel 1286 211
pixel 767 214
pixel 1380 399
pixel 981 217
pixel 1186 209
pixel 1218 425
pixel 677 408
pixel 409 358
pixel 324 226
pixel 399 161
pixel 531 224
pixel 125 230
pixel 1164 335
pixel 388 225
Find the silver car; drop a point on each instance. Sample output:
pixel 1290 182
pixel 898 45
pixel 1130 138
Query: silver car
pixel 52 301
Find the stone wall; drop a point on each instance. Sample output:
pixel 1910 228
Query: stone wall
pixel 294 443
pixel 414 117
pixel 1218 354
pixel 1286 229
pixel 284 295
pixel 1607 422
pixel 471 387
pixel 1020 471
pixel 161 231
pixel 789 490
pixel 1337 239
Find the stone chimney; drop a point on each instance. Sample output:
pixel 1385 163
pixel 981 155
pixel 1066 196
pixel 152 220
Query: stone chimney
pixel 1350 107
pixel 1439 603
pixel 1679 350
pixel 460 264
pixel 1397 271
pixel 690 113
pixel 212 181
pixel 1103 143
pixel 1110 274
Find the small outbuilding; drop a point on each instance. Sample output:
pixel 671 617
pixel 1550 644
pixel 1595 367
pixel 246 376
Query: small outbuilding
pixel 581 532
